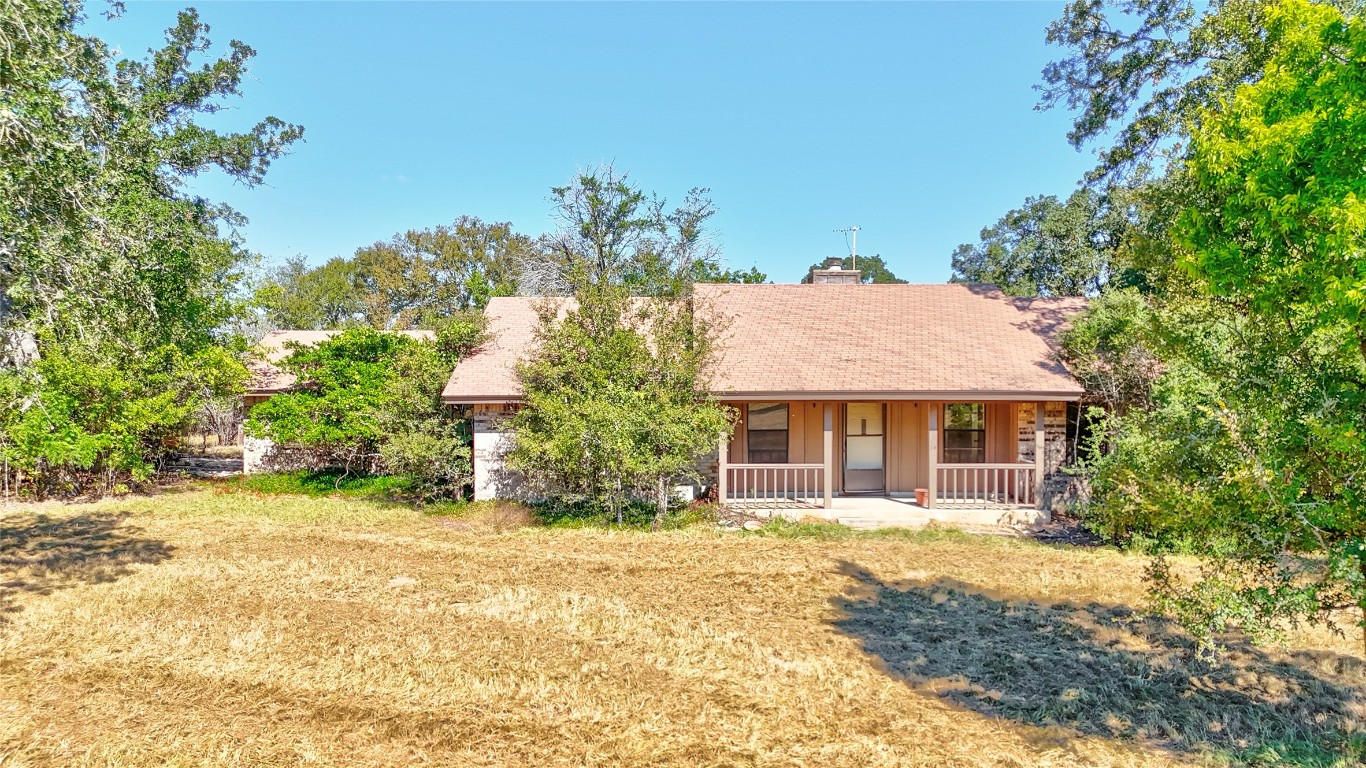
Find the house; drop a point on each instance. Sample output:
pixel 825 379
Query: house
pixel 267 379
pixel 945 398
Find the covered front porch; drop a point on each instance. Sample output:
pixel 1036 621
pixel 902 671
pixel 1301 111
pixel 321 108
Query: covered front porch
pixel 913 461
pixel 895 512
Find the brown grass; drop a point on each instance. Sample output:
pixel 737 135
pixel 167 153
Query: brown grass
pixel 230 630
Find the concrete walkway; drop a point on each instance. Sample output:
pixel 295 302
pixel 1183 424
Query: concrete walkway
pixel 866 512
pixel 878 512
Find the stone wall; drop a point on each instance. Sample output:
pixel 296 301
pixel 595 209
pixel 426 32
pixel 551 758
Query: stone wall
pixel 254 453
pixel 1054 431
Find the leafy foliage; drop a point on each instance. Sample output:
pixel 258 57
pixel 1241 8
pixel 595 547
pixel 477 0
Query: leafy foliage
pixel 1278 172
pixel 710 272
pixel 115 284
pixel 1109 350
pixel 414 280
pixel 1140 71
pixel 98 243
pixel 1280 230
pixel 77 423
pixel 614 396
pixel 297 296
pixel 370 402
pixel 1048 247
pixel 1245 440
pixel 1242 453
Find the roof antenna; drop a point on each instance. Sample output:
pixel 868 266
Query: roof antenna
pixel 853 248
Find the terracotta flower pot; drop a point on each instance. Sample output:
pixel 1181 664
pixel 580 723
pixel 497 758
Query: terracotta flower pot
pixel 922 496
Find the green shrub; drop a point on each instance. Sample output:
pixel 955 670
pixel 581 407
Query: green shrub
pixel 369 403
pixel 78 421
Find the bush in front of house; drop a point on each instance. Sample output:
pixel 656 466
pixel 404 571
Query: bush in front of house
pixel 86 421
pixel 367 402
pixel 616 404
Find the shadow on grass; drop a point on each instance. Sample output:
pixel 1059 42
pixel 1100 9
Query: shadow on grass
pixel 1109 671
pixel 40 553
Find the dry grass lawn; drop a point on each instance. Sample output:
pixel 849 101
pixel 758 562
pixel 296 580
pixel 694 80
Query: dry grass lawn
pixel 226 629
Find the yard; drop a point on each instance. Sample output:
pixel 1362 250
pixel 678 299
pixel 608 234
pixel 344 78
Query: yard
pixel 223 628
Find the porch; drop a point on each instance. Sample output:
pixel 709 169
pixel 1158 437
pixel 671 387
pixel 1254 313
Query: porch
pixel 886 462
pixel 867 512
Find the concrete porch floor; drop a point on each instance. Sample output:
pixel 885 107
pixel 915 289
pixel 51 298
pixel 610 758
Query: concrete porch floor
pixel 867 512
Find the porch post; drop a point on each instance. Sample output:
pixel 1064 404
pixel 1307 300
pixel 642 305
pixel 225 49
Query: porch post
pixel 1039 463
pixel 829 456
pixel 932 485
pixel 722 459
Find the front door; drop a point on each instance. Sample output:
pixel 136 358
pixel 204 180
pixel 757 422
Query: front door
pixel 864 470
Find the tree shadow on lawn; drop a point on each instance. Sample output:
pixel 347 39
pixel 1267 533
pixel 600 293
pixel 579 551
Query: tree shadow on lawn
pixel 40 553
pixel 1109 671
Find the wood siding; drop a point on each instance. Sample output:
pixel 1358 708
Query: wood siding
pixel 906 435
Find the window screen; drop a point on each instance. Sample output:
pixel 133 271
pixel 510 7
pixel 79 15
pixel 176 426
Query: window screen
pixel 766 425
pixel 965 433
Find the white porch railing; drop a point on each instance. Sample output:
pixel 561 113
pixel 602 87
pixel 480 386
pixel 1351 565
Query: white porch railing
pixel 769 485
pixel 985 485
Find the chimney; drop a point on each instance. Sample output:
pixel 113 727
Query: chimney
pixel 834 273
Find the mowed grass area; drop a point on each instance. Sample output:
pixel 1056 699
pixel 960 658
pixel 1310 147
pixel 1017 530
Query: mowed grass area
pixel 207 628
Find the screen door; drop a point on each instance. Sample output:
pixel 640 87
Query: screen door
pixel 863 448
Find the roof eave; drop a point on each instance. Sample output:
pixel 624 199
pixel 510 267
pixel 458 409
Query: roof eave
pixel 983 395
pixel 975 395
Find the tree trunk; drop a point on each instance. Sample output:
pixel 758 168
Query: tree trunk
pixel 662 501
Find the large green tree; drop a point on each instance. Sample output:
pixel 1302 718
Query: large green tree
pixel 116 283
pixel 99 240
pixel 1049 247
pixel 422 275
pixel 295 295
pixel 1280 231
pixel 415 279
pixel 616 397
pixel 1247 443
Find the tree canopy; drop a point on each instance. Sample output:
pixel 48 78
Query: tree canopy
pixel 1138 73
pixel 1048 247
pixel 1280 228
pixel 1244 367
pixel 615 396
pixel 99 243
pixel 116 285
pixel 413 280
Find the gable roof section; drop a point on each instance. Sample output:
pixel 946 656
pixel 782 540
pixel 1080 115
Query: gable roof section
pixel 835 342
pixel 932 341
pixel 267 378
pixel 489 373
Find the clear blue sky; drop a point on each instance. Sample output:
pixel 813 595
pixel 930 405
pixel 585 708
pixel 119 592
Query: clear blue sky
pixel 913 120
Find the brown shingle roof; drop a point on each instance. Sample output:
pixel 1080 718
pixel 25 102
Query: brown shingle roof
pixel 268 379
pixel 489 373
pixel 836 342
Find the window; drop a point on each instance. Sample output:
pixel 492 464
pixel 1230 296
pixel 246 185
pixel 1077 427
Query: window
pixel 965 433
pixel 767 432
